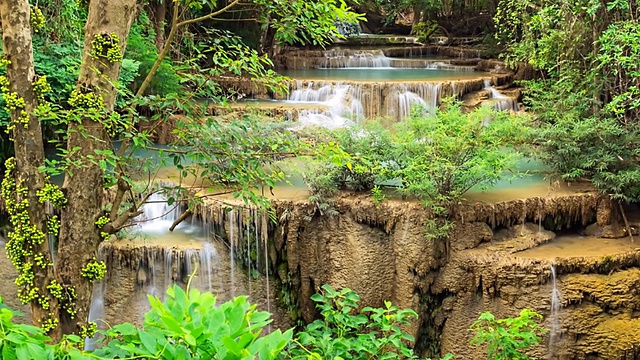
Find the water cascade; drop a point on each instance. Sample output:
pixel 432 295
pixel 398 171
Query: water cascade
pixel 355 59
pixel 500 101
pixel 340 100
pixel 96 312
pixel 350 102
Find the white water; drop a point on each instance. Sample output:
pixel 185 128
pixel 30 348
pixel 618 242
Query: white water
pixel 96 313
pixel 341 105
pixel 265 237
pixel 355 59
pixel 232 241
pixel 555 312
pixel 500 101
pixel 424 96
pixel 342 108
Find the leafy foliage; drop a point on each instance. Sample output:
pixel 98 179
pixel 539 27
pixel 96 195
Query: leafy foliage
pixel 240 154
pixel 189 325
pixel 582 146
pixel 444 156
pixel 141 49
pixel 347 331
pixel 588 107
pixel 305 22
pixel 434 158
pixel 507 338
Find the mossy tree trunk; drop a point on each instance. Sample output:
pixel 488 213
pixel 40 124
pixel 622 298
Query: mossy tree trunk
pixel 30 239
pixel 106 31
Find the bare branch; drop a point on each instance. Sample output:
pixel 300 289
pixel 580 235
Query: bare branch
pixel 209 16
pixel 181 218
pixel 123 186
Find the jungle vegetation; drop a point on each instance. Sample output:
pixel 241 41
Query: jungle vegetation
pixel 78 79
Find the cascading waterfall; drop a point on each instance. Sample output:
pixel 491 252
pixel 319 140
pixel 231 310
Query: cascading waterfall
pixel 355 59
pixel 349 103
pixel 342 108
pixel 265 237
pixel 348 29
pixel 96 312
pixel 424 95
pixel 499 101
pixel 555 311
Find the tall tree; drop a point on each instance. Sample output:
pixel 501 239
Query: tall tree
pixel 69 280
pixel 106 31
pixel 28 240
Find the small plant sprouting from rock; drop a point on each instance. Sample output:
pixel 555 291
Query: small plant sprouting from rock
pixel 377 195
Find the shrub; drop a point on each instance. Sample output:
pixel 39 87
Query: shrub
pixel 347 331
pixel 507 338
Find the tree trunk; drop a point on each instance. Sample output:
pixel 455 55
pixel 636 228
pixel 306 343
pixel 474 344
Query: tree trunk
pixel 159 9
pixel 108 20
pixel 417 14
pixel 29 155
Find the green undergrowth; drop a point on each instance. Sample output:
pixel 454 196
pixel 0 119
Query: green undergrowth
pixel 190 324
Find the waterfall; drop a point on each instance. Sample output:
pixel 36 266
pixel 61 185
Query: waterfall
pixel 406 100
pixel 340 107
pixel 232 254
pixel 348 29
pixel 355 59
pixel 157 215
pixel 555 311
pixel 500 102
pixel 346 103
pixel 424 95
pixel 265 237
pixel 96 313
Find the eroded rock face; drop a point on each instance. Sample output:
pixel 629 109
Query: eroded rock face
pixel 382 253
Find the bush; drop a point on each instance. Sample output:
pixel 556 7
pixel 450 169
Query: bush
pixel 347 331
pixel 441 157
pixel 190 325
pixel 507 338
pixel 435 158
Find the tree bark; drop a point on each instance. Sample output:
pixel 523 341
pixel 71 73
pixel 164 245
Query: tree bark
pixel 83 185
pixel 159 9
pixel 28 143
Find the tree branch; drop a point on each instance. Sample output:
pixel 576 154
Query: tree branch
pixel 208 16
pixel 181 218
pixel 123 186
pixel 114 226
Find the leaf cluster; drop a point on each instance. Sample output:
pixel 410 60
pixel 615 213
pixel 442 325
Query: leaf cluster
pixel 189 325
pixel 305 22
pixel 242 154
pixel 347 331
pixel 507 338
